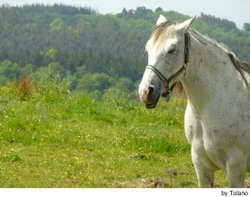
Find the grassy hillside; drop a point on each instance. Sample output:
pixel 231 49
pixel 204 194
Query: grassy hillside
pixel 51 137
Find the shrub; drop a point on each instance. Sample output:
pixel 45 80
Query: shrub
pixel 24 88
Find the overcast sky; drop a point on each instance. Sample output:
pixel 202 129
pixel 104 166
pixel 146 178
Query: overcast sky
pixel 237 11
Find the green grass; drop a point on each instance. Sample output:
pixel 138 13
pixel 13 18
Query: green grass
pixel 70 140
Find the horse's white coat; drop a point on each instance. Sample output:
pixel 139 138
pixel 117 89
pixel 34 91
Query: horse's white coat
pixel 217 118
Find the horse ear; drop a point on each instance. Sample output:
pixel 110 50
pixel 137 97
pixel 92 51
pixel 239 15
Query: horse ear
pixel 186 24
pixel 161 19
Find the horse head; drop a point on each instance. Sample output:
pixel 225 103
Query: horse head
pixel 168 51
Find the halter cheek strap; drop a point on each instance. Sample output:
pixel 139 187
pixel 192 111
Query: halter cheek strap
pixel 166 81
pixel 168 90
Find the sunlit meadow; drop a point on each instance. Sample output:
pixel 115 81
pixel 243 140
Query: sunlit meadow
pixel 52 137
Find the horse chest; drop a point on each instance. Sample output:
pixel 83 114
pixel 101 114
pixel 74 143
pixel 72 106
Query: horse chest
pixel 210 148
pixel 214 139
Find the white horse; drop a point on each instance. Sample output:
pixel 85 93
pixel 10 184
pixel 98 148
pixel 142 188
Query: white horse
pixel 217 85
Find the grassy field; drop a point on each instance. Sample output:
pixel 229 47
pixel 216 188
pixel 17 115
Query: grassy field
pixel 53 138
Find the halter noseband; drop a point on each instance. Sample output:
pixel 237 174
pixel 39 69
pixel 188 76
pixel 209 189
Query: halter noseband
pixel 165 80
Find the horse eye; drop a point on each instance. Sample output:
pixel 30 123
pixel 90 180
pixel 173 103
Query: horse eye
pixel 172 50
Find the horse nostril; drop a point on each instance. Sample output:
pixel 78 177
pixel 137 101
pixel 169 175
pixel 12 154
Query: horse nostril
pixel 151 90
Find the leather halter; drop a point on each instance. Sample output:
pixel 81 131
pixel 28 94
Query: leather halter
pixel 166 81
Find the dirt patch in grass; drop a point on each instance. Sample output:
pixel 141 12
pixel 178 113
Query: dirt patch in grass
pixel 142 183
pixel 151 183
pixel 161 183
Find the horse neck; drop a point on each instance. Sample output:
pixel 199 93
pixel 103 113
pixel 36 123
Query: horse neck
pixel 208 73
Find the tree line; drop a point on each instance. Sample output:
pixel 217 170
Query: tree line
pixel 96 51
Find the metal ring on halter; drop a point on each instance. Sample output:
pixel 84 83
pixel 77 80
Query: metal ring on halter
pixel 166 81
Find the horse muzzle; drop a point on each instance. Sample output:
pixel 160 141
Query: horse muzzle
pixel 149 96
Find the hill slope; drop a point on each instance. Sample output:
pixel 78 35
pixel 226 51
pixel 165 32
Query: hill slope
pixel 78 42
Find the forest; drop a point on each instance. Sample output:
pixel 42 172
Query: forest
pixel 95 52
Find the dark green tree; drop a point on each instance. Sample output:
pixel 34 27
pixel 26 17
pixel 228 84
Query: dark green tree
pixel 246 26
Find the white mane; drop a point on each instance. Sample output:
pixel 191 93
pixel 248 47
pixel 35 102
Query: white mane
pixel 240 66
pixel 204 39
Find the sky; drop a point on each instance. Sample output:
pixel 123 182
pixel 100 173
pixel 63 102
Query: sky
pixel 236 11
